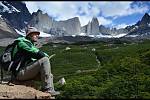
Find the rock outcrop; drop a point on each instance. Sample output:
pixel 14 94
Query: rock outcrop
pixel 21 92
pixel 141 28
pixel 41 21
pixel 46 24
pixel 92 28
pixel 6 31
pixel 71 26
pixel 104 30
pixel 16 13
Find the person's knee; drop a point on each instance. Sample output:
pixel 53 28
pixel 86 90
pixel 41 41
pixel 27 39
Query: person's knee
pixel 44 59
pixel 45 64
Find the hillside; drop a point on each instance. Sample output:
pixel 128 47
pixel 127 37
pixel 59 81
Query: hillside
pixel 99 70
pixel 123 71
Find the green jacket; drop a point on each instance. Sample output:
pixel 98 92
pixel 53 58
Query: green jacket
pixel 26 51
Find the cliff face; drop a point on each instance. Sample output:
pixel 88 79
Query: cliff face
pixel 6 31
pixel 141 28
pixel 145 21
pixel 46 24
pixel 15 17
pixel 92 28
pixel 70 27
pixel 15 12
pixel 41 21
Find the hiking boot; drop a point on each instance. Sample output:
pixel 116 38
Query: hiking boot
pixel 51 91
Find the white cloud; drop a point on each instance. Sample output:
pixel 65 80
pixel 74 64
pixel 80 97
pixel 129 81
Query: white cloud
pixel 112 8
pixel 60 10
pixel 136 9
pixel 32 7
pixel 123 25
pixel 84 20
pixel 103 21
pixel 66 10
pixel 119 8
pixel 86 10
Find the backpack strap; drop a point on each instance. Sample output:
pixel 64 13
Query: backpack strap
pixel 1 74
pixel 14 45
pixel 10 65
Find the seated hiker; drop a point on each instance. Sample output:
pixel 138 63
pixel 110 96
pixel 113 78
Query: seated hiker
pixel 34 61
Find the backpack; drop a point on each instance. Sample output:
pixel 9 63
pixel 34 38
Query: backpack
pixel 6 59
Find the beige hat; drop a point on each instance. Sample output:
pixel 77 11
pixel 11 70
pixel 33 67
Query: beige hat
pixel 32 30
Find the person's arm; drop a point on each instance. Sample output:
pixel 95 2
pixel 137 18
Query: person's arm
pixel 31 50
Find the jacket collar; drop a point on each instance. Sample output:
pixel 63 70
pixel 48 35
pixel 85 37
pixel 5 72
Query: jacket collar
pixel 25 39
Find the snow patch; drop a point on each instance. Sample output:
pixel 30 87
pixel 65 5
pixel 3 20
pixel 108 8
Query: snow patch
pixel 82 34
pixel 21 33
pixel 5 8
pixel 9 10
pixel 136 27
pixel 73 35
pixel 42 34
pixel 120 35
pixel 14 9
pixel 91 35
pixel 101 35
pixel 108 36
pixel 132 35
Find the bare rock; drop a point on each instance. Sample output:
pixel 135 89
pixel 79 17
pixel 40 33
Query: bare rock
pixel 21 92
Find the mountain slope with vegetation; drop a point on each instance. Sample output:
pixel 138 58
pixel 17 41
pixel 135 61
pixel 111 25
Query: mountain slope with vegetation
pixel 123 71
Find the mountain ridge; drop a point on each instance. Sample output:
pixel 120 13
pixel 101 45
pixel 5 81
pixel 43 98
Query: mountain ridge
pixel 19 17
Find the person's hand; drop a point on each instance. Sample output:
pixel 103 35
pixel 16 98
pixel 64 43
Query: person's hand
pixel 46 55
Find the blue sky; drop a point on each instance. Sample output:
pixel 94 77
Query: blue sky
pixel 117 14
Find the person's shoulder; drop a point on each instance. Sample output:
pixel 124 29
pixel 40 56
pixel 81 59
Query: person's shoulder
pixel 22 39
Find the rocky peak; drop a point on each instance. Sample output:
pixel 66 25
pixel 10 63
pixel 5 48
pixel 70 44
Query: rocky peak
pixel 144 21
pixel 93 27
pixel 104 30
pixel 141 27
pixel 41 21
pixel 18 5
pixel 94 20
pixel 71 26
pixel 146 16
pixel 39 11
pixel 73 19
pixel 16 13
